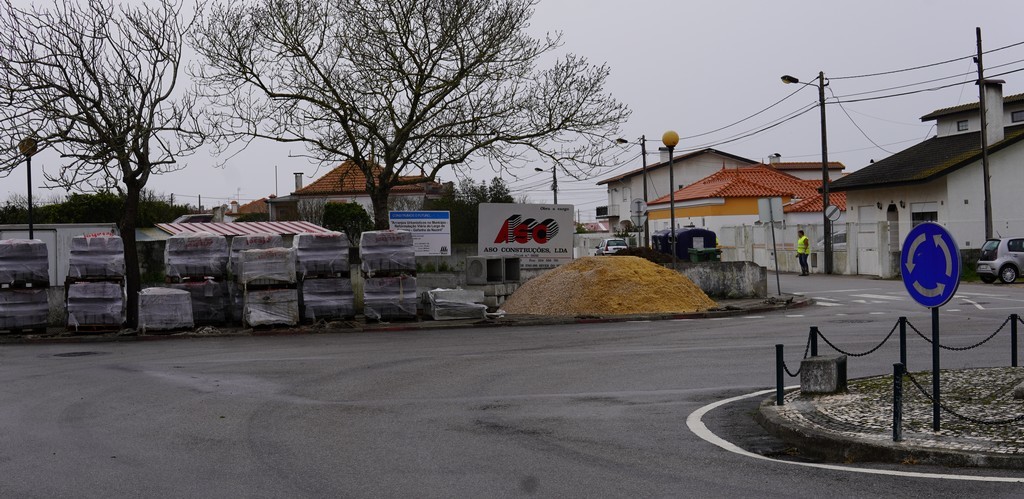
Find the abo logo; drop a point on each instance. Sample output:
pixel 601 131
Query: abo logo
pixel 517 230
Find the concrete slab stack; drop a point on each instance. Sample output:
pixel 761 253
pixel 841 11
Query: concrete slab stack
pixel 24 278
pixel 389 274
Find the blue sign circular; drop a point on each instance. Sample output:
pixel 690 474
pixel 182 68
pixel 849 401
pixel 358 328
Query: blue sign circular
pixel 930 264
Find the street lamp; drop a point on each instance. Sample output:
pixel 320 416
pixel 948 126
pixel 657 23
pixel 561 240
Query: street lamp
pixel 28 146
pixel 670 139
pixel 824 166
pixel 643 156
pixel 554 181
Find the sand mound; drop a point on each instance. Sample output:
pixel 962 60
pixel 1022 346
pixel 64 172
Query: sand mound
pixel 608 285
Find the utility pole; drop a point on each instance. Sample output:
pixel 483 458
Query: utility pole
pixel 827 224
pixel 647 223
pixel 984 141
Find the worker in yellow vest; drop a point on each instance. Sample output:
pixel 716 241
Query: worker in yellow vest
pixel 803 248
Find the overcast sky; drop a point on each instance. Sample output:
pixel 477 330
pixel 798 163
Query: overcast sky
pixel 695 67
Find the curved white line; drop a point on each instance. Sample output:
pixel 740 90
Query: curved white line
pixel 696 425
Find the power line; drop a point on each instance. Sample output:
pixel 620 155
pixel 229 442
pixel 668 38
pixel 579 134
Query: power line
pixel 861 130
pixel 883 73
pixel 780 101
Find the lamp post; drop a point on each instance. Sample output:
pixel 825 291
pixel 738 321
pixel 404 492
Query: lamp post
pixel 670 139
pixel 28 146
pixel 643 156
pixel 554 181
pixel 824 166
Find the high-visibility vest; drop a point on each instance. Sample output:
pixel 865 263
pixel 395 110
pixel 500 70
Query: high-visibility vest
pixel 803 245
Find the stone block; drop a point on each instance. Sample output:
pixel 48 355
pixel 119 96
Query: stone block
pixel 1018 392
pixel 823 374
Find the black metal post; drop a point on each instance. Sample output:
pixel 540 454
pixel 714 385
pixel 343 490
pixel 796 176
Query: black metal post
pixel 903 341
pixel 28 160
pixel 827 224
pixel 647 223
pixel 897 402
pixel 935 368
pixel 672 205
pixel 778 374
pixel 1013 340
pixel 814 341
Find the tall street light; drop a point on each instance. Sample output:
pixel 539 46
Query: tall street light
pixel 643 155
pixel 554 181
pixel 824 166
pixel 670 139
pixel 28 146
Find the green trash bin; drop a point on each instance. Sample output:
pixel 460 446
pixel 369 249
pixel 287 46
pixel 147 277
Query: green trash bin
pixel 697 255
pixel 714 255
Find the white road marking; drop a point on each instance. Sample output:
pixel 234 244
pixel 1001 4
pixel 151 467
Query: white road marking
pixel 972 302
pixel 840 315
pixel 861 301
pixel 720 318
pixel 823 298
pixel 827 304
pixel 883 313
pixel 987 295
pixel 794 316
pixel 696 425
pixel 951 310
pixel 881 297
pixel 753 317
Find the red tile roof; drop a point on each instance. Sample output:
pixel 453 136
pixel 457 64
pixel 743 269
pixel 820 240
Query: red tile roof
pixel 806 165
pixel 256 206
pixel 347 178
pixel 753 182
pixel 813 204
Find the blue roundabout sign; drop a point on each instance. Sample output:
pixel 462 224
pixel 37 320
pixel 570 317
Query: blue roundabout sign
pixel 930 264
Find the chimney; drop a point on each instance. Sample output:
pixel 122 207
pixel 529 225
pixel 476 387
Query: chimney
pixel 994 110
pixel 234 208
pixel 774 159
pixel 298 180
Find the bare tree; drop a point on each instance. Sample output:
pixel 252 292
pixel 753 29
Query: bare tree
pixel 405 88
pixel 97 82
pixel 312 210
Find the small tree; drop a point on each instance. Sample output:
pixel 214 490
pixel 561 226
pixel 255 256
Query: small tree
pixel 312 210
pixel 348 217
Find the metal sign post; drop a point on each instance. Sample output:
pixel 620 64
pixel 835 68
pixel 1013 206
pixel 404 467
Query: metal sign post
pixel 930 264
pixel 766 210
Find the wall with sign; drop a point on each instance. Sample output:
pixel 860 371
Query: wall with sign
pixel 540 234
pixel 431 230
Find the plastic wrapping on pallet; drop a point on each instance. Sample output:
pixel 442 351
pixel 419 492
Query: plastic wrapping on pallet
pixel 449 304
pixel 269 307
pixel 328 298
pixel 96 256
pixel 164 309
pixel 24 260
pixel 23 308
pixel 323 253
pixel 246 242
pixel 389 297
pixel 99 303
pixel 211 303
pixel 262 266
pixel 389 251
pixel 196 254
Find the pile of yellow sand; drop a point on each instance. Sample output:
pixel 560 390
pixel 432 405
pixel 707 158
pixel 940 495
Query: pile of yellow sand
pixel 608 285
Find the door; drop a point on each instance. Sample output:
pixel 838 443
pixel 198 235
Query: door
pixel 867 240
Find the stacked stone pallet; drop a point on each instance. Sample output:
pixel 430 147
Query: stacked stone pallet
pixel 325 281
pixel 94 287
pixel 240 243
pixel 24 277
pixel 198 263
pixel 268 279
pixel 389 275
pixel 165 309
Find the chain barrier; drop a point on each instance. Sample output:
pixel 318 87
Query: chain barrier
pixel 961 349
pixel 969 419
pixel 829 343
pixel 806 350
pixel 1020 319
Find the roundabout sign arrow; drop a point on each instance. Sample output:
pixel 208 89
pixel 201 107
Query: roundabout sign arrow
pixel 930 264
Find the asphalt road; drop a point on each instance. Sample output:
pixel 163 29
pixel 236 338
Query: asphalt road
pixel 595 410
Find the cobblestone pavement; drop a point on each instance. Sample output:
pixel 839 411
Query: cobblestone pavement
pixel 858 425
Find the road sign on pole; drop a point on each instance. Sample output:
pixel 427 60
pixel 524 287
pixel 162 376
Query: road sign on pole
pixel 930 264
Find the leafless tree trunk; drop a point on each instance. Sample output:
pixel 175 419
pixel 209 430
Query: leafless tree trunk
pixel 312 210
pixel 404 88
pixel 96 82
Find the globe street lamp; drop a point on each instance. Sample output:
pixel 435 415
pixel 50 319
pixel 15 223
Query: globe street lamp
pixel 824 166
pixel 554 181
pixel 671 139
pixel 643 155
pixel 28 146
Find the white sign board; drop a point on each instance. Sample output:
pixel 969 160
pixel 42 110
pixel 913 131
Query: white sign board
pixel 539 234
pixel 769 210
pixel 431 230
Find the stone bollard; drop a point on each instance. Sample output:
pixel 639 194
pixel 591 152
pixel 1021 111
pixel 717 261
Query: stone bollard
pixel 823 374
pixel 1018 392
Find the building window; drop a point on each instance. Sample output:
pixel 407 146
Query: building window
pixel 1017 116
pixel 961 126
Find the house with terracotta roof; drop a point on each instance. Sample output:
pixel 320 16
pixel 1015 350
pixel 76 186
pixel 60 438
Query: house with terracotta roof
pixel 729 197
pixel 346 183
pixel 941 179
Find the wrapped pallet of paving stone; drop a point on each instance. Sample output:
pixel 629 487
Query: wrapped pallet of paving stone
pixel 322 254
pixel 24 263
pixel 211 303
pixel 327 299
pixel 247 242
pixel 26 308
pixel 92 305
pixel 196 256
pixel 389 298
pixel 266 267
pixel 271 307
pixel 165 309
pixel 450 304
pixel 387 253
pixel 99 256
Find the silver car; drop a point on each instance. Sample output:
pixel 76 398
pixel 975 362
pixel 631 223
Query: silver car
pixel 1001 259
pixel 611 246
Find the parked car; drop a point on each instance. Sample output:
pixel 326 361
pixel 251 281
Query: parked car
pixel 1001 258
pixel 611 246
pixel 838 242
